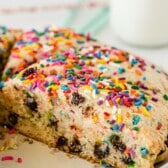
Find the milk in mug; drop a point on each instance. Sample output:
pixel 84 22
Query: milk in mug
pixel 141 22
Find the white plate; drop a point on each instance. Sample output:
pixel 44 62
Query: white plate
pixel 38 155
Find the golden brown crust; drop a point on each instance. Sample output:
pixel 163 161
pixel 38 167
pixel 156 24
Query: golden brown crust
pixel 42 134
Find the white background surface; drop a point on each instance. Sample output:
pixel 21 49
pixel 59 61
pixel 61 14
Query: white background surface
pixel 37 155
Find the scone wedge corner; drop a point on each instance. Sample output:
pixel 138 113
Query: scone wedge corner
pixel 7 40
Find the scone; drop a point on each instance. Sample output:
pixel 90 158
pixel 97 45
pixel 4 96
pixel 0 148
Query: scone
pixel 7 39
pixel 99 103
pixel 34 45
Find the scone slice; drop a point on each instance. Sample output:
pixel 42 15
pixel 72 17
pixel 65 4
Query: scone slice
pixel 99 103
pixel 7 40
pixel 34 45
pixel 31 46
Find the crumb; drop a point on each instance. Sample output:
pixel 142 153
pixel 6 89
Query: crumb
pixel 30 141
pixel 11 143
pixel 70 156
pixel 54 150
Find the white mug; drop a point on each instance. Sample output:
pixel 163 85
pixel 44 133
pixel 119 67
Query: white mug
pixel 141 22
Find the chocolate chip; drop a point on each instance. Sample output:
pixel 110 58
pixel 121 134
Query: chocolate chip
pixel 9 126
pixel 75 146
pixel 118 144
pixel 12 119
pixel 15 87
pixel 127 159
pixel 77 98
pixel 161 152
pixel 101 150
pixel 87 110
pixel 114 138
pixel 29 71
pixel 53 122
pixel 2 136
pixel 62 141
pixel 32 104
